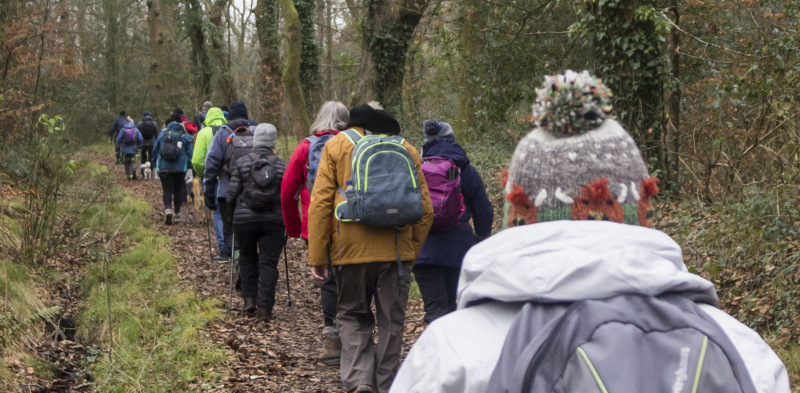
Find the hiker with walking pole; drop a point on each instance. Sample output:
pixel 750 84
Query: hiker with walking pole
pixel 254 197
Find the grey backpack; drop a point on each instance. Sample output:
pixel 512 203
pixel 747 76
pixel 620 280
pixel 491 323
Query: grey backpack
pixel 385 187
pixel 625 344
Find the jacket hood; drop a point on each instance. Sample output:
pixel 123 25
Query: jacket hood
pixel 567 261
pixel 445 148
pixel 324 132
pixel 147 118
pixel 129 125
pixel 234 124
pixel 214 117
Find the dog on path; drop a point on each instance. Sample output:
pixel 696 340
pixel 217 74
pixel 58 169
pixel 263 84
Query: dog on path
pixel 203 214
pixel 146 171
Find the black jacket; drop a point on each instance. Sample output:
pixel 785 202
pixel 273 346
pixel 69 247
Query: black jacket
pixel 239 176
pixel 149 129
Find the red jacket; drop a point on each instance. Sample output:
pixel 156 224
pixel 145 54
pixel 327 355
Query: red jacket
pixel 294 179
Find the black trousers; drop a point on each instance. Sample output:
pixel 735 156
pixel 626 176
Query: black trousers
pixel 438 286
pixel 147 154
pixel 327 292
pixel 173 189
pixel 227 223
pixel 260 245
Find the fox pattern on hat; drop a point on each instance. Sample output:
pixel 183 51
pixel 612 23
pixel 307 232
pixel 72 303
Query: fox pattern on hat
pixel 578 163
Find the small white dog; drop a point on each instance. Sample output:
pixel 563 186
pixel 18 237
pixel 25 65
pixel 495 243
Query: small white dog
pixel 146 171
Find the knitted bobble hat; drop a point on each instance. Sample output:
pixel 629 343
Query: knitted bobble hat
pixel 432 129
pixel 265 135
pixel 238 111
pixel 578 163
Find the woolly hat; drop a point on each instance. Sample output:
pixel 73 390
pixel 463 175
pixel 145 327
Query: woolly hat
pixel 122 113
pixel 432 129
pixel 377 121
pixel 265 135
pixel 146 114
pixel 238 111
pixel 578 163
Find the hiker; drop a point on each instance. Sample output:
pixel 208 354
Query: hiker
pixel 457 194
pixel 113 132
pixel 297 183
pixel 369 261
pixel 214 120
pixel 580 246
pixel 215 178
pixel 149 130
pixel 257 221
pixel 200 117
pixel 129 142
pixel 173 151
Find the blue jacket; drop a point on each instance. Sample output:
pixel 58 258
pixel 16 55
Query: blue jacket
pixel 449 248
pixel 215 180
pixel 181 164
pixel 132 148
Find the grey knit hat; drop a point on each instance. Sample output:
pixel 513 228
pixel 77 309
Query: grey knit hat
pixel 578 163
pixel 432 129
pixel 265 135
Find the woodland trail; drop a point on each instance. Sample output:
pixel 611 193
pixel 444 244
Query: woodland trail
pixel 276 357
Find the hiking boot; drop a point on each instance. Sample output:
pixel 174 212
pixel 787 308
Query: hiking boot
pixel 177 218
pixel 250 306
pixel 362 389
pixel 168 216
pixel 332 352
pixel 221 259
pixel 264 315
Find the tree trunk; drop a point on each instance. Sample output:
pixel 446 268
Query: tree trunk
pixel 111 20
pixel 201 59
pixel 224 78
pixel 471 48
pixel 329 93
pixel 267 19
pixel 159 55
pixel 309 52
pixel 387 30
pixel 674 100
pixel 291 71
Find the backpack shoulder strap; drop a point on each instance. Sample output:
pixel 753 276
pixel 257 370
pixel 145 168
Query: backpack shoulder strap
pixel 352 135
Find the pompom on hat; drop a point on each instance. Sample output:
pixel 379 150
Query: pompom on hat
pixel 578 163
pixel 432 129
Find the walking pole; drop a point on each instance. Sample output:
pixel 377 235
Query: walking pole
pixel 208 230
pixel 286 263
pixel 230 292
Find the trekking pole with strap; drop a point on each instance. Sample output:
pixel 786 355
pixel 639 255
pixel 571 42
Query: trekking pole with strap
pixel 230 292
pixel 286 264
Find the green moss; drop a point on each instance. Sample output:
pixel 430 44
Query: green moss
pixel 41 367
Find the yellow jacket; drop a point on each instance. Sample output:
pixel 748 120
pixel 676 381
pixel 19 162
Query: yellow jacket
pixel 352 242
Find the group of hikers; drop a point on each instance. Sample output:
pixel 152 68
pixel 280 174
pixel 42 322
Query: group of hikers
pixel 576 293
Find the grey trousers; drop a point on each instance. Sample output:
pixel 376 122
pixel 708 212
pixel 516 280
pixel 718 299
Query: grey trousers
pixel 363 361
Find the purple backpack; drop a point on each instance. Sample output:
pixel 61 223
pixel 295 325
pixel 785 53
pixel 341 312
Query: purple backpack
pixel 129 138
pixel 444 184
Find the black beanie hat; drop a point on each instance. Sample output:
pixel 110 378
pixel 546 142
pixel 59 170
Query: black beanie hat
pixel 238 111
pixel 122 113
pixel 377 121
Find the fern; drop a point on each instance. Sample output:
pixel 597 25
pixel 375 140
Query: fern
pixel 14 331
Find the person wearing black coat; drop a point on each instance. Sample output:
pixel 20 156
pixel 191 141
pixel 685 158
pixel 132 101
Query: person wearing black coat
pixel 260 236
pixel 113 131
pixel 150 131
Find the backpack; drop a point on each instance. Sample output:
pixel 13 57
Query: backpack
pixel 624 344
pixel 240 143
pixel 385 188
pixel 314 155
pixel 444 184
pixel 171 148
pixel 262 189
pixel 149 129
pixel 129 136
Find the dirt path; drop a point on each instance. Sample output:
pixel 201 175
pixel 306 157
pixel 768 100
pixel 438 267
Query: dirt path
pixel 279 356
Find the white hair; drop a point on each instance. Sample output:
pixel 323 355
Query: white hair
pixel 333 115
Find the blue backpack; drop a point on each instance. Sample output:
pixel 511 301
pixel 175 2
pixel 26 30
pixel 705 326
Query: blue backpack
pixel 314 155
pixel 385 188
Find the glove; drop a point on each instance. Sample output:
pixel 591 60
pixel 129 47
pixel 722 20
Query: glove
pixel 211 202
